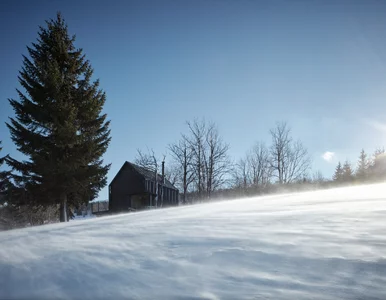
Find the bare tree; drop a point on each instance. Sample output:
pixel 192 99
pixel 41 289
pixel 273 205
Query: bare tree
pixel 241 174
pixel 259 165
pixel 317 177
pixel 146 160
pixel 183 157
pixel 280 149
pixel 150 162
pixel 210 160
pixel 289 160
pixel 196 142
pixel 255 169
pixel 172 173
pixel 298 163
pixel 217 162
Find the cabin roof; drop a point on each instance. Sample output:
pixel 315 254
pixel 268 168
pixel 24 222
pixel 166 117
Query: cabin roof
pixel 145 173
pixel 149 175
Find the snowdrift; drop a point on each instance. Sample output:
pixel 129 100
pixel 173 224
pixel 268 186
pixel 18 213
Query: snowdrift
pixel 316 245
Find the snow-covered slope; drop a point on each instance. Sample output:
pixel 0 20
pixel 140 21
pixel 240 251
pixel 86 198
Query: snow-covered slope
pixel 316 245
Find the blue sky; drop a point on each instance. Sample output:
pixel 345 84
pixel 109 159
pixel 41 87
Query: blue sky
pixel 319 65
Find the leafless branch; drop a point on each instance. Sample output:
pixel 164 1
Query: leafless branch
pixel 289 160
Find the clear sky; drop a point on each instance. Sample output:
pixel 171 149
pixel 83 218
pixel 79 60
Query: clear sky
pixel 319 65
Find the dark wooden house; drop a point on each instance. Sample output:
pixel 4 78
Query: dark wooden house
pixel 134 188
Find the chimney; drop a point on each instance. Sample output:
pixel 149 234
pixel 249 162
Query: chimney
pixel 163 172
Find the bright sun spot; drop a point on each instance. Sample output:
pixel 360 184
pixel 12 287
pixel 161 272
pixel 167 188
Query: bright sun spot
pixel 328 156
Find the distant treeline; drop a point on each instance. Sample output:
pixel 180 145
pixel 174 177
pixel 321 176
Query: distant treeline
pixel 202 169
pixel 367 169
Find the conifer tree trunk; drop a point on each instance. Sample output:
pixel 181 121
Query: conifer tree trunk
pixel 63 208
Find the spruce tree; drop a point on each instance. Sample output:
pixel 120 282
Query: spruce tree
pixel 377 168
pixel 347 172
pixel 363 165
pixel 59 124
pixel 3 176
pixel 338 175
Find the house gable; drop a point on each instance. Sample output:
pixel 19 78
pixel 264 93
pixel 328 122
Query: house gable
pixel 134 186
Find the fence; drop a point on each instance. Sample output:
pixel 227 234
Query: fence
pixel 100 206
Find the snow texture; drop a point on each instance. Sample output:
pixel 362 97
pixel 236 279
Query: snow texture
pixel 82 218
pixel 316 245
